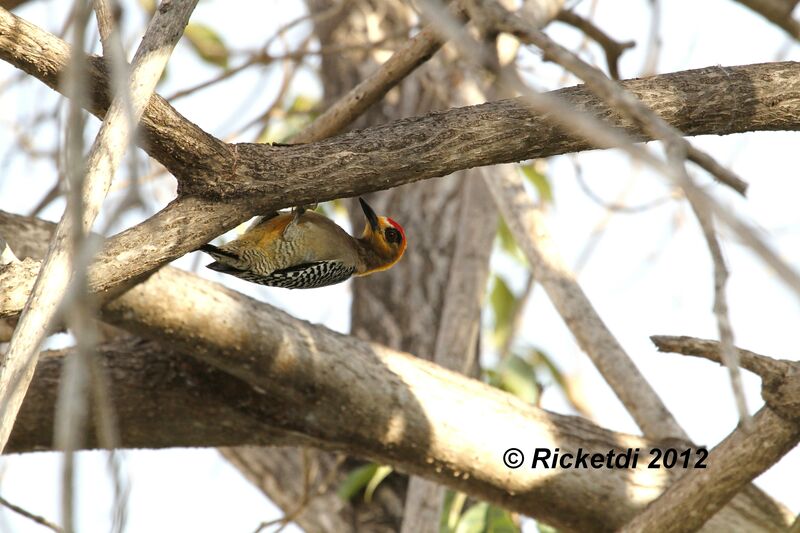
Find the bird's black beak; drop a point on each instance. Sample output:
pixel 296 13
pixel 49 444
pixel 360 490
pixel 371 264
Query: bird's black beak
pixel 372 218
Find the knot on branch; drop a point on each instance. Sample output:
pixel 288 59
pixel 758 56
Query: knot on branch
pixel 780 379
pixel 780 388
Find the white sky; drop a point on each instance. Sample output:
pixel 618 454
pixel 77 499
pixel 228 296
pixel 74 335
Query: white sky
pixel 649 274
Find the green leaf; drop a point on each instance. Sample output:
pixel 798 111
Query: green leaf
pixel 299 114
pixel 544 528
pixel 503 304
pixel 474 520
pixel 380 474
pixel 500 521
pixel 494 378
pixel 207 43
pixel 507 242
pixel 539 358
pixel 518 377
pixel 302 104
pixel 356 480
pixel 539 181
pixel 451 511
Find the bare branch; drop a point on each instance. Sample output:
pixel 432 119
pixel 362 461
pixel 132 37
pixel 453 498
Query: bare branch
pixel 779 12
pixel 615 96
pixel 692 500
pixel 761 365
pixel 108 14
pixel 271 177
pixel 613 49
pixel 42 521
pixel 729 355
pixel 380 404
pixel 594 338
pixel 352 105
pixel 17 369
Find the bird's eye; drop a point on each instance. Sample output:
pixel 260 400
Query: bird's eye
pixel 393 236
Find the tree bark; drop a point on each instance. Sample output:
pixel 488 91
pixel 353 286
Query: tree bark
pixel 222 185
pixel 395 409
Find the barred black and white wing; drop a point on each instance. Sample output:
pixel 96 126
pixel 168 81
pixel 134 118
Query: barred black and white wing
pixel 308 275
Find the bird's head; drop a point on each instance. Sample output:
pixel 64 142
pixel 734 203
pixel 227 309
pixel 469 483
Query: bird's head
pixel 385 236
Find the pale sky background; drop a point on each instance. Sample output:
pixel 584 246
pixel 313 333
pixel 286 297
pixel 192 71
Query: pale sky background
pixel 649 273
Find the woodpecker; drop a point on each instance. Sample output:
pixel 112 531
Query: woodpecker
pixel 305 250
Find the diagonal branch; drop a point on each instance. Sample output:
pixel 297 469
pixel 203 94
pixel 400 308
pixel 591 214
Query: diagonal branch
pixel 779 12
pixel 738 459
pixel 380 404
pixel 692 500
pixel 16 368
pixel 594 338
pixel 234 182
pixel 352 105
pixel 638 111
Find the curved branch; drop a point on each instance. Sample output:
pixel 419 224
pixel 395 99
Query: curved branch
pixel 341 393
pixel 162 398
pixel 222 185
pixel 379 404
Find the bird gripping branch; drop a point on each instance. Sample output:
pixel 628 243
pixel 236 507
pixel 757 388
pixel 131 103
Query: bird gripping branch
pixel 305 250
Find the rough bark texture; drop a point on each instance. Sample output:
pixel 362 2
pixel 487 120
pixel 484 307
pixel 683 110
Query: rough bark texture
pixel 291 365
pixel 761 97
pixel 257 178
pixel 162 398
pixel 407 307
pixel 738 459
pixel 393 408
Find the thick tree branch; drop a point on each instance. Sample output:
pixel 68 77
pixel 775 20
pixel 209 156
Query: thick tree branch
pixel 716 100
pixel 386 406
pixel 742 456
pixel 162 399
pixel 427 428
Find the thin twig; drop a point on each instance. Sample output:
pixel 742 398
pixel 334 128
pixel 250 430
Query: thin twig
pixel 613 49
pixel 695 497
pixel 20 361
pixel 633 390
pixel 352 105
pixel 618 98
pixel 650 66
pixel 27 514
pixel 65 433
pixel 729 355
pixel 761 365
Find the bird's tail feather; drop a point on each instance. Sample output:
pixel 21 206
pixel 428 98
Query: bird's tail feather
pixel 216 251
pixel 222 267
